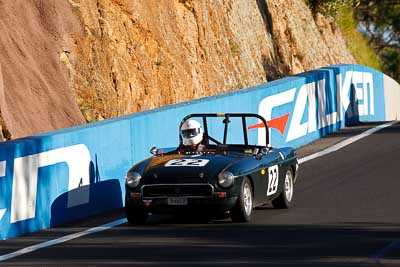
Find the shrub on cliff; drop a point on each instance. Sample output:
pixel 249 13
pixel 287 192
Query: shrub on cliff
pixel 330 7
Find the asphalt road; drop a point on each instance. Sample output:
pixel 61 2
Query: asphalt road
pixel 346 213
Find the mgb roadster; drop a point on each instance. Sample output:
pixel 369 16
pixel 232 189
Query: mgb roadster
pixel 209 176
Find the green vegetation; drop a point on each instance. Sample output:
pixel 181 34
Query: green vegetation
pixel 380 21
pixel 330 7
pixel 158 62
pixel 235 50
pixel 391 58
pixel 371 28
pixel 356 41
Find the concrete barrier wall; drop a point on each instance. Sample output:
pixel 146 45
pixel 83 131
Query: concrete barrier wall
pixel 392 96
pixel 56 177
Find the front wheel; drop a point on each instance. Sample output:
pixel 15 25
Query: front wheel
pixel 136 216
pixel 243 208
pixel 284 200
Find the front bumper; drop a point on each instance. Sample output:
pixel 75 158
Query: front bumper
pixel 209 205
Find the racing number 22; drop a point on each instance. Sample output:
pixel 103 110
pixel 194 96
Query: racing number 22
pixel 187 163
pixel 273 175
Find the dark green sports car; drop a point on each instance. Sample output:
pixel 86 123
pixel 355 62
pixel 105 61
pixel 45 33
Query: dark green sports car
pixel 214 177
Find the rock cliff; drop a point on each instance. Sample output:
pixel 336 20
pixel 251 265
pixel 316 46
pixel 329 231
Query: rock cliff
pixel 67 62
pixel 35 92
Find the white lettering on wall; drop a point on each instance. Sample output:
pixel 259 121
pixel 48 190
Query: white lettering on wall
pixel 356 86
pixel 2 174
pixel 25 180
pixel 266 106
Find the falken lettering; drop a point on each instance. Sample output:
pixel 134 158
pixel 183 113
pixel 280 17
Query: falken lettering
pixel 25 179
pixel 313 98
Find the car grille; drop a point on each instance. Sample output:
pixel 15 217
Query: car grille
pixel 200 190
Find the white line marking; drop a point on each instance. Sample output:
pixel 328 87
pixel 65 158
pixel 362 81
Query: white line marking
pixel 62 239
pixel 107 226
pixel 395 244
pixel 346 142
pixel 2 212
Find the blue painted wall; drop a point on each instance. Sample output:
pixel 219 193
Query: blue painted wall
pixel 115 144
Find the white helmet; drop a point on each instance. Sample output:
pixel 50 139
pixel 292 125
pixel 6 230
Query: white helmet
pixel 191 132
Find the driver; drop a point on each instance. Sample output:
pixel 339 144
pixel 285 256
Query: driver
pixel 192 135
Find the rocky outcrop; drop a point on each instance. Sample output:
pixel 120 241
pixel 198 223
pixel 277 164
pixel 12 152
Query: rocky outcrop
pixel 35 94
pixel 114 57
pixel 137 55
pixel 303 41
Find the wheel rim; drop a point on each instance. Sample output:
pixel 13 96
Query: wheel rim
pixel 247 199
pixel 289 186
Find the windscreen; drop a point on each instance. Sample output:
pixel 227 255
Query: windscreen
pixel 235 132
pixel 229 128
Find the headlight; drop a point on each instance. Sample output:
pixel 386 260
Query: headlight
pixel 132 179
pixel 225 179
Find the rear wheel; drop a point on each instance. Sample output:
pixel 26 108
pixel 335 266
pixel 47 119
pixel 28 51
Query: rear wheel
pixel 243 208
pixel 284 200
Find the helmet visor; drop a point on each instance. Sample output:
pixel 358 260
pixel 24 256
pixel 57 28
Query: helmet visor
pixel 189 133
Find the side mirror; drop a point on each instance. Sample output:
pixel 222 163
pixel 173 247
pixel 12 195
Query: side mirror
pixel 259 153
pixel 154 150
pixel 264 151
pixel 226 120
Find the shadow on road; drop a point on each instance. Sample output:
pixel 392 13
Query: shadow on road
pixel 250 244
pixel 99 196
pixel 169 241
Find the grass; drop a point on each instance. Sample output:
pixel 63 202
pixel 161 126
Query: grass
pixel 158 62
pixel 357 43
pixel 235 50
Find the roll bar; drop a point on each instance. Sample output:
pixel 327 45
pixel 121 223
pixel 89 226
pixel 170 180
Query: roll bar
pixel 204 117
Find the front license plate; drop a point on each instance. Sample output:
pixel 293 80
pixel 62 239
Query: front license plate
pixel 177 201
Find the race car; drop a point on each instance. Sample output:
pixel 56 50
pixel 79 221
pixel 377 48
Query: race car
pixel 210 176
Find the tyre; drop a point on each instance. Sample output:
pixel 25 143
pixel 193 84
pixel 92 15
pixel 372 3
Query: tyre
pixel 136 215
pixel 243 208
pixel 284 200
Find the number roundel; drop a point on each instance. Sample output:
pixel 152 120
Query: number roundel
pixel 273 177
pixel 187 163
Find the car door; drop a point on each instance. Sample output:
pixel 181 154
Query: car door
pixel 266 177
pixel 273 174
